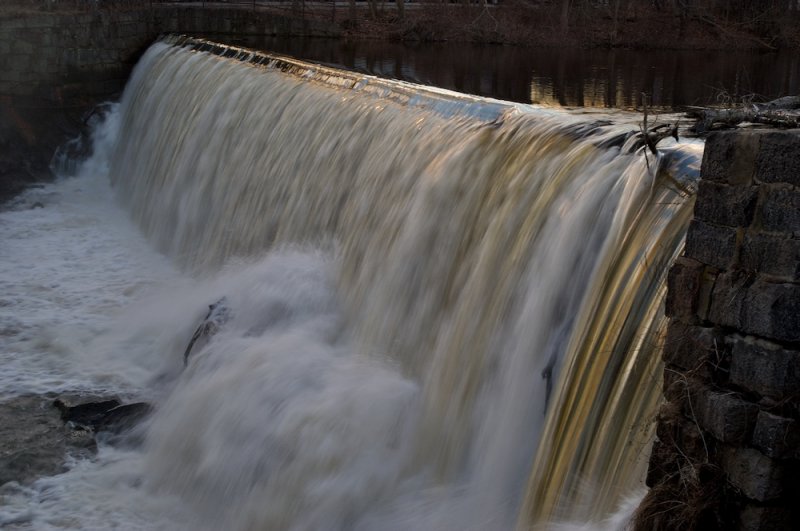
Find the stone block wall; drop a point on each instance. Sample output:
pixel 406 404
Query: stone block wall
pixel 727 452
pixel 54 67
pixel 93 52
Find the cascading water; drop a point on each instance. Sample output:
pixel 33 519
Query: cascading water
pixel 445 311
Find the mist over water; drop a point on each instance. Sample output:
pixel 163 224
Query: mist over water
pixel 434 313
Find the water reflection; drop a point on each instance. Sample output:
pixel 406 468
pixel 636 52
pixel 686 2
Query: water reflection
pixel 562 77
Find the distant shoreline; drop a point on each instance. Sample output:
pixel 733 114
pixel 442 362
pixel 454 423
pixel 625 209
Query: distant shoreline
pixel 638 24
pixel 528 25
pixel 45 91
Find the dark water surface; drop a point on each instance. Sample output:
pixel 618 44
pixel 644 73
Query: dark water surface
pixel 562 77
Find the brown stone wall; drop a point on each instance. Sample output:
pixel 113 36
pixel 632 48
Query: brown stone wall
pixel 728 438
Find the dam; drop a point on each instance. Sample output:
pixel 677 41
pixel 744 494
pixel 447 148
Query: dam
pixel 446 311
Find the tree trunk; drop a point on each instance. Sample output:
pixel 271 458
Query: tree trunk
pixel 564 14
pixel 783 112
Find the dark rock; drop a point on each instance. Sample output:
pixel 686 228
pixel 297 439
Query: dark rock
pixel 772 310
pixel 218 314
pixel 683 435
pixel 765 368
pixel 728 298
pixel 663 463
pixel 780 211
pixel 676 385
pixel 726 416
pixel 711 244
pixel 34 441
pixel 695 348
pixel 105 415
pixel 729 157
pixel 86 413
pixel 122 418
pixel 777 437
pixel 760 518
pixel 722 204
pixel 757 476
pixel 778 160
pixel 756 306
pixel 687 284
pixel 771 254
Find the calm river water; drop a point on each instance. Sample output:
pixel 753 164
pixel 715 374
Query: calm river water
pixel 562 77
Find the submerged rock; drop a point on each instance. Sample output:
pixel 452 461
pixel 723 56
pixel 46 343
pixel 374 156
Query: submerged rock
pixel 86 413
pixel 37 433
pixel 124 417
pixel 218 314
pixel 104 415
pixel 34 441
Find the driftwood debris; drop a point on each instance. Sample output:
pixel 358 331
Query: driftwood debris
pixel 655 135
pixel 782 112
pixel 651 136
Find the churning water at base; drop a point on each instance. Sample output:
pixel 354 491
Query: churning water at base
pixel 445 311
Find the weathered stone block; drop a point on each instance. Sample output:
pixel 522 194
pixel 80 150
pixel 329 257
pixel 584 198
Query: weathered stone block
pixel 778 159
pixel 728 298
pixel 780 210
pixel 760 518
pixel 711 244
pixel 722 204
pixel 19 62
pixel 685 288
pixel 676 386
pixel 729 157
pixel 772 310
pixel 14 23
pixel 777 437
pixel 694 348
pixel 726 416
pixel 764 367
pixel 23 47
pixel 757 476
pixel 683 435
pixel 663 463
pixel 771 254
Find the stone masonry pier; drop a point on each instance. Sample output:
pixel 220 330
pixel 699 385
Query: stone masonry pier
pixel 728 438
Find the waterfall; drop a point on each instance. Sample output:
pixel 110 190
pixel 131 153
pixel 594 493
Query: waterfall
pixel 488 353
